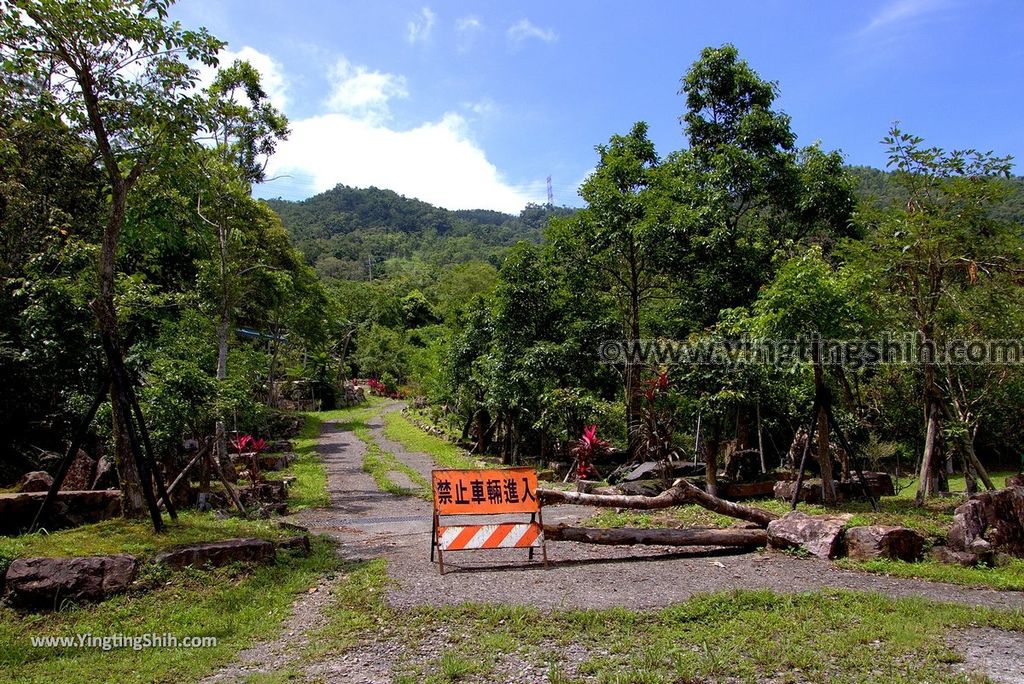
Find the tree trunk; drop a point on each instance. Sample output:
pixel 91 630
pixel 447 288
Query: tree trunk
pixel 760 439
pixel 685 537
pixel 631 377
pixel 925 483
pixel 711 459
pixel 133 503
pixel 133 500
pixel 220 431
pixel 828 484
pixel 272 372
pixel 744 438
pixel 681 492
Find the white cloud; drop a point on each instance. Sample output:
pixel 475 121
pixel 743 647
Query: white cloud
pixel 436 162
pixel 901 12
pixel 468 24
pixel 364 94
pixel 271 73
pixel 420 29
pixel 524 30
pixel 466 31
pixel 482 107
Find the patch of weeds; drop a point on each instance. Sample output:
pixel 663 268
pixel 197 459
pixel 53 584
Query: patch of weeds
pixel 1003 577
pixel 379 464
pixel 446 455
pixel 358 606
pixel 135 536
pixel 237 606
pixel 741 635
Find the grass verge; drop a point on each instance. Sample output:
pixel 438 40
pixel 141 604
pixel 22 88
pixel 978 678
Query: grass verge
pixel 310 487
pixel 1008 577
pixel 237 605
pixel 446 455
pixel 742 636
pixel 134 536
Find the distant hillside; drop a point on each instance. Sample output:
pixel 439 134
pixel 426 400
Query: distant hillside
pixel 341 230
pixel 878 188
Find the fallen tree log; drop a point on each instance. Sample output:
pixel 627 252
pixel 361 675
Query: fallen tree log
pixel 692 536
pixel 681 492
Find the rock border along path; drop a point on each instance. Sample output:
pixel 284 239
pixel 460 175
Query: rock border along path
pixel 369 523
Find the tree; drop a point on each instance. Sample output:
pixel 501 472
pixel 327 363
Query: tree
pixel 120 73
pixel 810 299
pixel 931 251
pixel 619 238
pixel 744 195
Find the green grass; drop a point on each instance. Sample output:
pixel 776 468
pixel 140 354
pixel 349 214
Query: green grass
pixel 310 487
pixel 1008 577
pixel 933 520
pixel 956 483
pixel 134 536
pixel 744 636
pixel 380 464
pixel 358 609
pixel 236 605
pixel 446 455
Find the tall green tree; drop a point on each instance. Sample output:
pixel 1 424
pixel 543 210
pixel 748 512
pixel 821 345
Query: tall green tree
pixel 930 252
pixel 619 237
pixel 122 74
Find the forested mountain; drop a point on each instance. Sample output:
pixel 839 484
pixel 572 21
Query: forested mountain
pixel 878 188
pixel 341 230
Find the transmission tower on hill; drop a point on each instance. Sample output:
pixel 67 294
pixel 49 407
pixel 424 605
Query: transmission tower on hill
pixel 551 195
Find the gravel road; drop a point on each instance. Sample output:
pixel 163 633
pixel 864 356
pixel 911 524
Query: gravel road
pixel 369 523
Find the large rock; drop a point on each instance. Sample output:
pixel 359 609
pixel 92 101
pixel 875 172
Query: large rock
pixel 810 490
pixel 80 474
pixel 36 481
pixel 944 554
pixel 884 541
pixel 746 490
pixel 819 535
pixel 298 545
pixel 218 553
pixel 1015 480
pixel 70 509
pixel 879 485
pixel 989 522
pixel 46 583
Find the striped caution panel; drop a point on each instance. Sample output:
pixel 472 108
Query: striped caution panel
pixel 502 536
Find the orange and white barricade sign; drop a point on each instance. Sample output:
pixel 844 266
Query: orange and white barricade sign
pixel 491 492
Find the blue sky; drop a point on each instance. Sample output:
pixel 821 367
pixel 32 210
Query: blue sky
pixel 473 104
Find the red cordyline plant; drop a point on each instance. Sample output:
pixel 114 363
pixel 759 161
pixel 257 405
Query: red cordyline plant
pixel 247 444
pixel 588 449
pixel 656 423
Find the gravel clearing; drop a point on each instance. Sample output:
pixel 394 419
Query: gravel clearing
pixel 368 524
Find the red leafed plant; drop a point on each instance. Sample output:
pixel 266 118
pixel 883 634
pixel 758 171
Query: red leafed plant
pixel 588 449
pixel 247 444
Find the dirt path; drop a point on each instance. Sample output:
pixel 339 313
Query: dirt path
pixel 369 523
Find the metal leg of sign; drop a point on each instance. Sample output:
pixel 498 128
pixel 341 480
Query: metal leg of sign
pixel 543 539
pixel 533 518
pixel 433 538
pixel 440 559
